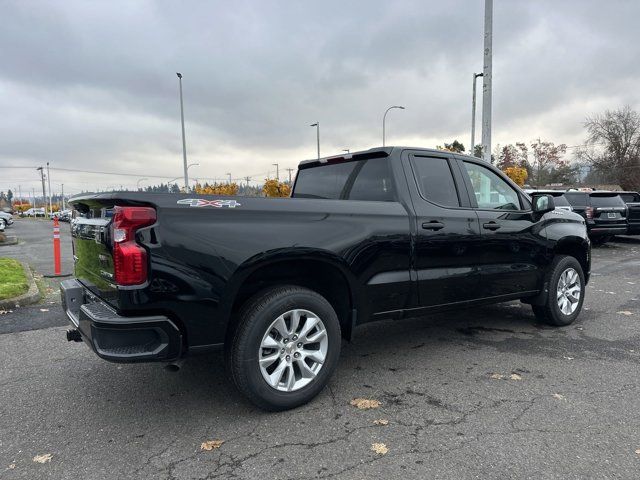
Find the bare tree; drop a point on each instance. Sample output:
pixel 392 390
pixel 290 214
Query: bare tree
pixel 613 146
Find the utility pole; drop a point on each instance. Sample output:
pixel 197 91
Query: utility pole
pixel 486 80
pixel 184 143
pixel 63 197
pixel 44 195
pixel 229 178
pixel 473 114
pixel 20 193
pixel 49 182
pixel 277 171
pixel 247 180
pixel 289 170
pixel 33 197
pixel 317 125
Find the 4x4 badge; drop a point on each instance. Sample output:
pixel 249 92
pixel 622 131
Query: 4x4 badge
pixel 201 202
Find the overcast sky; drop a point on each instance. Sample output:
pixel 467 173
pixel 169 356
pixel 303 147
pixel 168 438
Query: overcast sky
pixel 92 85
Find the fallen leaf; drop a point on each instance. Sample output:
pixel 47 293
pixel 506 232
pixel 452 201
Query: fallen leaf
pixel 44 309
pixel 12 466
pixel 558 396
pixel 364 403
pixel 638 451
pixel 379 448
pixel 568 358
pixel 381 421
pixel 43 458
pixel 631 283
pixel 496 376
pixel 211 444
pixel 624 312
pixel 515 376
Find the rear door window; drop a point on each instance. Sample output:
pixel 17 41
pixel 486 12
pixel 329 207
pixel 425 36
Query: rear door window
pixel 561 201
pixel 435 180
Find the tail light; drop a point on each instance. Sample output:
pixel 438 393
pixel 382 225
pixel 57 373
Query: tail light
pixel 589 212
pixel 129 258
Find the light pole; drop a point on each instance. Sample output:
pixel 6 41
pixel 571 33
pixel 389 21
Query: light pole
pixel 277 171
pixel 138 182
pixel 229 177
pixel 317 125
pixel 49 182
pixel 486 80
pixel 289 170
pixel 473 113
pixel 192 165
pixel 384 121
pixel 44 195
pixel 184 143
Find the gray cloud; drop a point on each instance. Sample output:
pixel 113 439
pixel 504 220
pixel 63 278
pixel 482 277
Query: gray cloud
pixel 92 85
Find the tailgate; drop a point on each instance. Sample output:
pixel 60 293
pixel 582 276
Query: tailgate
pixel 90 232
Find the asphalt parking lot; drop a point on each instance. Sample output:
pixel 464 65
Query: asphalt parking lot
pixel 482 393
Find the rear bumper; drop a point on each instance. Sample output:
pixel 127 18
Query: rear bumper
pixel 119 338
pixel 606 230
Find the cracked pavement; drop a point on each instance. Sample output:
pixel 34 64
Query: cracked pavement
pixel 477 393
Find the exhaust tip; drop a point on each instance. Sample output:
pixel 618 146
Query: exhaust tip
pixel 73 335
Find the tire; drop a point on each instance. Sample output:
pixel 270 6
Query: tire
pixel 291 384
pixel 599 241
pixel 562 268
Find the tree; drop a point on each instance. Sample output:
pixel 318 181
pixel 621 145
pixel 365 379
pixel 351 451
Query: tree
pixel 217 189
pixel 546 157
pixel 274 188
pixel 512 156
pixel 517 174
pixel 454 146
pixel 9 196
pixel 613 146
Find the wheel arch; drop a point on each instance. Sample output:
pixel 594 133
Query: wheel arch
pixel 576 247
pixel 320 271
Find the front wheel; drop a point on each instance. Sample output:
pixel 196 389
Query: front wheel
pixel 565 289
pixel 285 347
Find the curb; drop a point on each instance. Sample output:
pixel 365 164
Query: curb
pixel 32 295
pixel 11 240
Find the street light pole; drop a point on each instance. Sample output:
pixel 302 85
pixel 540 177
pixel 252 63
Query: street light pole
pixel 384 122
pixel 229 178
pixel 184 143
pixel 473 113
pixel 277 171
pixel 317 125
pixel 486 80
pixel 63 198
pixel 289 170
pixel 49 182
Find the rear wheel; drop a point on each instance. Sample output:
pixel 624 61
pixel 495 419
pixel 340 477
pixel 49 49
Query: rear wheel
pixel 285 347
pixel 565 288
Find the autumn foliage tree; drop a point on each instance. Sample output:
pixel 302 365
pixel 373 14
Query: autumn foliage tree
pixel 217 189
pixel 274 188
pixel 517 174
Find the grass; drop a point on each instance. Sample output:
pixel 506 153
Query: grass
pixel 13 281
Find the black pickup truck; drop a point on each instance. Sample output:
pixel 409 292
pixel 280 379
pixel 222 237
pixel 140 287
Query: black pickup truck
pixel 386 233
pixel 632 200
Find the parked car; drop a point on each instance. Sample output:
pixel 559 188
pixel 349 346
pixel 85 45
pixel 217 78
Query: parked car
pixel 387 233
pixel 35 212
pixel 6 219
pixel 604 212
pixel 559 200
pixel 632 200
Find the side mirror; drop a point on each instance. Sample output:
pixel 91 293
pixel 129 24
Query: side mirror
pixel 542 203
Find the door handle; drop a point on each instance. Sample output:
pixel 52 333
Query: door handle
pixel 491 226
pixel 432 225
